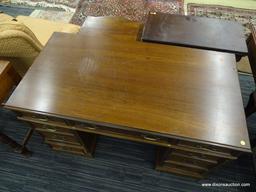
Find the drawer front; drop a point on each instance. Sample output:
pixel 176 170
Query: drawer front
pixel 68 149
pixel 172 164
pixel 180 170
pixel 194 169
pixel 202 158
pixel 123 134
pixel 176 159
pixel 60 126
pixel 55 130
pixel 61 138
pixel 205 149
pixel 44 119
pixel 63 144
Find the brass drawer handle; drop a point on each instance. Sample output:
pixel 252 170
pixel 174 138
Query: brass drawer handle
pixel 51 130
pixel 206 149
pixel 150 138
pixel 91 128
pixel 45 119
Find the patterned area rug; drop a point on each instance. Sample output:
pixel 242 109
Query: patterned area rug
pixel 243 16
pixel 135 10
pixel 52 15
pixel 67 5
pixel 15 10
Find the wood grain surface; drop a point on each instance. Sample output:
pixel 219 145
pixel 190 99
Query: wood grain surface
pixel 168 90
pixel 198 32
pixel 112 25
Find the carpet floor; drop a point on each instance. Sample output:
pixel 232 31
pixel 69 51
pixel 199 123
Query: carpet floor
pixel 15 10
pixel 52 15
pixel 119 165
pixel 135 10
pixel 66 5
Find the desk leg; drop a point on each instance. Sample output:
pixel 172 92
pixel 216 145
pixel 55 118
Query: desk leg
pixel 14 145
pixel 25 141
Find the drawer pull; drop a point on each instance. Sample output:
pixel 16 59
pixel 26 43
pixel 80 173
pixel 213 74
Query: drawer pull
pixel 45 119
pixel 91 128
pixel 150 138
pixel 51 130
pixel 206 149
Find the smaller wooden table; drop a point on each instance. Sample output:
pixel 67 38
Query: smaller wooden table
pixel 196 32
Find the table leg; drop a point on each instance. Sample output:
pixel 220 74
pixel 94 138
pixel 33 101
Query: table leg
pixel 25 141
pixel 14 145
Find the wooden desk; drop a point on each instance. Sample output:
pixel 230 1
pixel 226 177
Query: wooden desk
pixel 186 101
pixel 123 29
pixel 197 32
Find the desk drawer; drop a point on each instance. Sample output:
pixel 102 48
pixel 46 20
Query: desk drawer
pixel 211 160
pixel 68 149
pixel 176 159
pixel 61 138
pixel 124 134
pixel 180 170
pixel 167 162
pixel 86 149
pixel 51 129
pixel 38 118
pixel 205 149
pixel 176 168
pixel 63 144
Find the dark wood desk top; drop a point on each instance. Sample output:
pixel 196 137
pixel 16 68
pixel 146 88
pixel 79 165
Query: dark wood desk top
pixel 167 90
pixel 197 32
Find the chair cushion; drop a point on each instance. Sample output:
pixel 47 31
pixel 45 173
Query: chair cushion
pixel 17 40
pixel 43 29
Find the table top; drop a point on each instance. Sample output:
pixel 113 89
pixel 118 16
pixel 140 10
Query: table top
pixel 167 90
pixel 197 32
pixel 118 26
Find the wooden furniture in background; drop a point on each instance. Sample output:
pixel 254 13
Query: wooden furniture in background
pixel 8 79
pixel 138 91
pixel 196 32
pixel 251 43
pixel 251 106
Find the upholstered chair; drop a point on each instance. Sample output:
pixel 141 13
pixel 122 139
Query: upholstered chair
pixel 22 38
